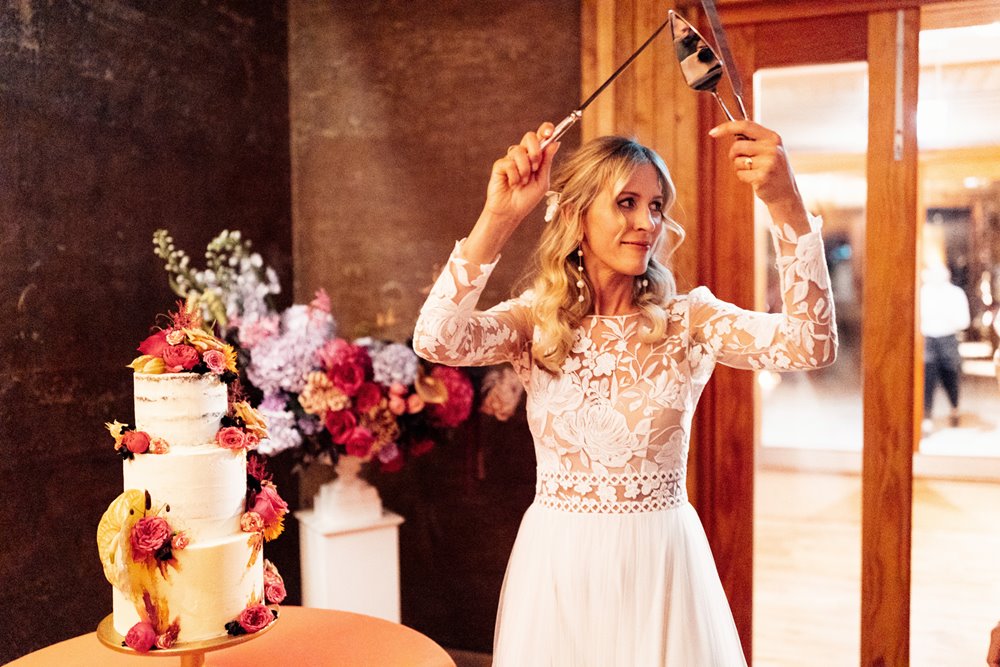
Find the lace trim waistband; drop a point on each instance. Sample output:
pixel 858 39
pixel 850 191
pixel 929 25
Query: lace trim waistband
pixel 614 493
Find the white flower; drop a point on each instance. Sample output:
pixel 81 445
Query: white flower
pixel 601 431
pixel 605 364
pixel 607 494
pixel 811 263
pixel 551 205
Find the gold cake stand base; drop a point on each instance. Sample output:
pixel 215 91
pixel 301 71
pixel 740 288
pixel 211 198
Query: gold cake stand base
pixel 192 654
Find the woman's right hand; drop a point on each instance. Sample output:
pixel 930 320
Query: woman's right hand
pixel 520 179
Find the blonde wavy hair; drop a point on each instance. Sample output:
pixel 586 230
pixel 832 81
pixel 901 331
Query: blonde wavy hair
pixel 556 308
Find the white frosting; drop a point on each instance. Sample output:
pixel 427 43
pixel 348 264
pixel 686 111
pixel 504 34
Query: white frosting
pixel 205 488
pixel 198 487
pixel 210 587
pixel 185 409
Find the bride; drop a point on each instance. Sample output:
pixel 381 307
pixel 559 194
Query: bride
pixel 611 565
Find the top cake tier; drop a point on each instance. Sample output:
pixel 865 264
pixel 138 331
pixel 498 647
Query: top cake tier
pixel 185 409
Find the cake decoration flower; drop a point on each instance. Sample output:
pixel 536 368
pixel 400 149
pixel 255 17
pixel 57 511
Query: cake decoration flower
pixel 253 619
pixel 185 346
pixel 274 585
pixel 141 637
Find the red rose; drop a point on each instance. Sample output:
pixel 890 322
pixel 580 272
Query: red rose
pixel 155 344
pixel 255 618
pixel 148 535
pixel 456 409
pixel 216 361
pixel 231 437
pixel 274 586
pixel 368 397
pixel 359 441
pixel 339 423
pixel 421 447
pixel 347 377
pixel 179 358
pixel 268 504
pixel 136 442
pixel 141 637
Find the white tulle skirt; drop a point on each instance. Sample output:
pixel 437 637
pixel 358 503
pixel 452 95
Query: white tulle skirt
pixel 606 590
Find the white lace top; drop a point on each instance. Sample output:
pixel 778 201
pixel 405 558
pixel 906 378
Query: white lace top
pixel 611 430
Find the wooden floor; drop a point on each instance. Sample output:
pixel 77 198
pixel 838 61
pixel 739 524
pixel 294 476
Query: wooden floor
pixel 808 562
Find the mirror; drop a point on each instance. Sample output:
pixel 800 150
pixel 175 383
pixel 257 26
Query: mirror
pixel 700 65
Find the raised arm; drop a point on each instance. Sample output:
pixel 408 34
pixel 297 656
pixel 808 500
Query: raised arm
pixel 450 330
pixel 804 334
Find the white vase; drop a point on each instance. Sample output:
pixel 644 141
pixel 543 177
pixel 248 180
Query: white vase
pixel 347 500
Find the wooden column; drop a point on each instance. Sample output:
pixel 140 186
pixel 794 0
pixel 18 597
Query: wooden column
pixel 889 333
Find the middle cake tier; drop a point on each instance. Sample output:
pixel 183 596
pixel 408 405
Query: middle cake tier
pixel 203 489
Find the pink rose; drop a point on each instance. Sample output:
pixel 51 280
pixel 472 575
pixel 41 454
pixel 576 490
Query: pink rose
pixel 368 397
pixel 216 361
pixel 251 522
pixel 347 377
pixel 179 541
pixel 414 404
pixel 335 352
pixel 268 504
pixel 255 618
pixel 154 345
pixel 390 458
pixel 359 441
pixel 231 437
pixel 274 585
pixel 136 442
pixel 397 389
pixel 148 535
pixel 141 637
pixel 397 405
pixel 179 358
pixel 339 423
pixel 158 446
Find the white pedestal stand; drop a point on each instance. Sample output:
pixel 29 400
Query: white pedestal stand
pixel 350 548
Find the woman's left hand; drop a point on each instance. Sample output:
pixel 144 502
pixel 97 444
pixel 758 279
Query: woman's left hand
pixel 759 159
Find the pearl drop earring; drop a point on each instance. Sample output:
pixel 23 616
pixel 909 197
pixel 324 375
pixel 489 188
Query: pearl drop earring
pixel 579 279
pixel 645 283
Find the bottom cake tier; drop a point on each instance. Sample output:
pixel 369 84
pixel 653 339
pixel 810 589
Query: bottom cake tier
pixel 211 584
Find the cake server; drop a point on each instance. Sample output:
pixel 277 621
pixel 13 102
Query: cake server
pixel 571 119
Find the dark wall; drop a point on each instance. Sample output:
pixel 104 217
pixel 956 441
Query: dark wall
pixel 398 110
pixel 116 118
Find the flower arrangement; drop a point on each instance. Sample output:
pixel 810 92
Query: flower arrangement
pixel 323 396
pixel 184 346
pixel 371 400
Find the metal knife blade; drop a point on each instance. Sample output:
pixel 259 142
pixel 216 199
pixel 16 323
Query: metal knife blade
pixel 725 53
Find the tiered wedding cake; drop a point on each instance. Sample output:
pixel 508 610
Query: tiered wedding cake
pixel 182 545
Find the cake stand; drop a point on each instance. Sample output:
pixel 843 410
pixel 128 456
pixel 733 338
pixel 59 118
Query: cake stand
pixel 192 654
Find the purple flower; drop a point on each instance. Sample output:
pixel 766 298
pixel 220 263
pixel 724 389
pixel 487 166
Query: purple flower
pixel 395 363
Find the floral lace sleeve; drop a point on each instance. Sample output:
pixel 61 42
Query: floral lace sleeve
pixel 451 331
pixel 802 336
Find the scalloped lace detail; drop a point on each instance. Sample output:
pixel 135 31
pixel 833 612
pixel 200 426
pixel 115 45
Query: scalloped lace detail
pixel 622 493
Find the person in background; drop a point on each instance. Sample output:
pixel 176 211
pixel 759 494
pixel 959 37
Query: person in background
pixel 944 312
pixel 993 653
